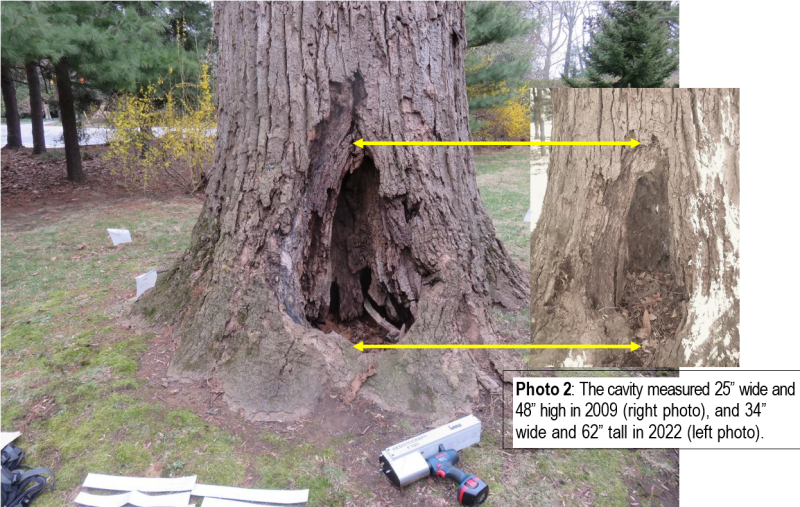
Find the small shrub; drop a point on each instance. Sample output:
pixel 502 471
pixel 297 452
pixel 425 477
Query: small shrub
pixel 509 121
pixel 165 130
pixel 51 155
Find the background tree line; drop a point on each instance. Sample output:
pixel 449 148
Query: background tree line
pixel 515 46
pixel 606 44
pixel 70 57
pixel 91 51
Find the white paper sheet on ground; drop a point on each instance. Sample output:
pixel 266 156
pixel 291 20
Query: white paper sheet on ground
pixel 277 496
pixel 134 498
pixel 220 502
pixel 8 437
pixel 120 236
pixel 145 281
pixel 527 216
pixel 144 484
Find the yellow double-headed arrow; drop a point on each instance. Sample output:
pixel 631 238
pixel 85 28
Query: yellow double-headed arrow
pixel 361 143
pixel 361 346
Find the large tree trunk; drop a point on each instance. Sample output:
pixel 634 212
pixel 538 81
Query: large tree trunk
pixel 301 229
pixel 66 113
pixel 37 125
pixel 12 110
pixel 670 204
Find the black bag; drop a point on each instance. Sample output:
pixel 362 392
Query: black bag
pixel 21 484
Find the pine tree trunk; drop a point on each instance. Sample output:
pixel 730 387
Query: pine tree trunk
pixel 37 125
pixel 14 140
pixel 671 203
pixel 66 113
pixel 300 227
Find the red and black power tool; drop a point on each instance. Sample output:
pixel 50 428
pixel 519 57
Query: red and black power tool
pixel 435 453
pixel 471 490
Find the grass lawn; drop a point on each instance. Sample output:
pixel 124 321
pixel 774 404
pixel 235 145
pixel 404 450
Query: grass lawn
pixel 503 182
pixel 72 377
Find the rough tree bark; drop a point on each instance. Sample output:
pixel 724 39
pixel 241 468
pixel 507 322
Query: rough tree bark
pixel 35 90
pixel 673 200
pixel 300 226
pixel 14 140
pixel 66 113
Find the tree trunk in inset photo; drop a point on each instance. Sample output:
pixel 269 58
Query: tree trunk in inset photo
pixel 640 244
pixel 304 235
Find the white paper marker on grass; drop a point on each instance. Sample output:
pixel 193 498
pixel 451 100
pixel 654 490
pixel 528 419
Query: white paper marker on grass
pixel 275 496
pixel 527 216
pixel 219 502
pixel 134 498
pixel 8 437
pixel 120 236
pixel 145 281
pixel 102 500
pixel 145 484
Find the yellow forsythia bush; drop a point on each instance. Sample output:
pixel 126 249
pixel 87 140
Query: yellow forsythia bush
pixel 509 121
pixel 164 131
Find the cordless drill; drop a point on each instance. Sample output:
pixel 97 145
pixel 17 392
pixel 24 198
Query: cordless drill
pixel 471 490
pixel 435 453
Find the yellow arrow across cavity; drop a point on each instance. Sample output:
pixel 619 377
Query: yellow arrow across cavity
pixel 361 346
pixel 361 143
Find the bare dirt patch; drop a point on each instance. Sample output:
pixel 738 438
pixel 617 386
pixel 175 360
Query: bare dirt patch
pixel 34 186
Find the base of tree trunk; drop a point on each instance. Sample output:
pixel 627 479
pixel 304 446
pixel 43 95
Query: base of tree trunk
pixel 282 368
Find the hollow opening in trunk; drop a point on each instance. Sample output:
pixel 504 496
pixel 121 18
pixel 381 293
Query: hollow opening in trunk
pixel 362 304
pixel 652 300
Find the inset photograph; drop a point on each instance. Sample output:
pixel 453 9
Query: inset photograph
pixel 636 243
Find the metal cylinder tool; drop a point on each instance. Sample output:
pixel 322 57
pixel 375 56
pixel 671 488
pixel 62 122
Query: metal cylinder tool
pixel 435 453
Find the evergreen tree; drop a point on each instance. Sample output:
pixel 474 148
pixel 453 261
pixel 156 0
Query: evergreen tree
pixel 105 46
pixel 24 41
pixel 635 46
pixel 492 70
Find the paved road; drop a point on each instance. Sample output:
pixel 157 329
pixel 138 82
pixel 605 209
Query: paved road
pixel 52 135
